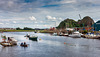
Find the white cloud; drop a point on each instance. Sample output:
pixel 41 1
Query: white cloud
pixel 35 22
pixel 54 18
pixel 7 23
pixel 32 18
pixel 60 19
pixel 68 1
pixel 41 21
pixel 45 25
pixel 50 17
pixel 14 22
pixel 1 23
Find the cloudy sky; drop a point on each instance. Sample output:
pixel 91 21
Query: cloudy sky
pixel 45 13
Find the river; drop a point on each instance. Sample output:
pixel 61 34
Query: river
pixel 50 46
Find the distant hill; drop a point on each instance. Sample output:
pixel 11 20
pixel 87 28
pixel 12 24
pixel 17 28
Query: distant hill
pixel 86 21
pixel 68 23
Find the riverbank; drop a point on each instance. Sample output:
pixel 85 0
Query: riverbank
pixel 16 30
pixel 40 31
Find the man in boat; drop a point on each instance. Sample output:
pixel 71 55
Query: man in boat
pixel 22 43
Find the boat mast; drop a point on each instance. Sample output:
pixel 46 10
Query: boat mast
pixel 80 16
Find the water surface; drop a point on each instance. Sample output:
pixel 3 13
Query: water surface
pixel 50 46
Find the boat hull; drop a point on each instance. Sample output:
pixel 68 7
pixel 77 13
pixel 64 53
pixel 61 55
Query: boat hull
pixel 24 45
pixel 33 38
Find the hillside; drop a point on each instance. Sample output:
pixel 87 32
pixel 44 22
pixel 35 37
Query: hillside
pixel 68 23
pixel 85 22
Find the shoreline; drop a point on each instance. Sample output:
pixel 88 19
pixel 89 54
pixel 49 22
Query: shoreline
pixel 40 31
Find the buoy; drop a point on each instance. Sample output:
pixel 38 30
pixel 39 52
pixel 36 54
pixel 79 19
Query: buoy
pixel 39 39
pixel 64 42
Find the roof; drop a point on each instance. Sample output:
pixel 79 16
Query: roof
pixel 98 21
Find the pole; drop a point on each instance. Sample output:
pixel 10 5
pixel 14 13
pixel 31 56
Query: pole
pixel 80 16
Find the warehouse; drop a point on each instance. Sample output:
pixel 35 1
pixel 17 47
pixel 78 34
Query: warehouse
pixel 97 26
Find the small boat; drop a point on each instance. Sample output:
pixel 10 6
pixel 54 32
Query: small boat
pixel 27 35
pixel 75 34
pixel 6 44
pixel 63 34
pixel 24 45
pixel 32 37
pixel 54 34
pixel 12 40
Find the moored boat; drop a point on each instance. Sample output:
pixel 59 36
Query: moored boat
pixel 32 37
pixel 6 44
pixel 75 34
pixel 54 34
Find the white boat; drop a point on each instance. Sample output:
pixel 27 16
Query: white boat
pixel 32 37
pixel 75 34
pixel 63 34
pixel 12 41
pixel 54 34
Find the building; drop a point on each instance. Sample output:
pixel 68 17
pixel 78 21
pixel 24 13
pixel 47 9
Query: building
pixel 97 26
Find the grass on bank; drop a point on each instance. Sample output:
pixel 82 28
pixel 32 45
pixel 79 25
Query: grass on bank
pixel 16 30
pixel 41 31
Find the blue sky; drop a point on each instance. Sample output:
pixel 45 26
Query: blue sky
pixel 45 13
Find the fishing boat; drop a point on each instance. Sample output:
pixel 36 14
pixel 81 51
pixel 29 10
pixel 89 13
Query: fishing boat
pixel 32 37
pixel 75 34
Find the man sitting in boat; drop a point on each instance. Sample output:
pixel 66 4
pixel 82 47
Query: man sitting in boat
pixel 23 44
pixel 9 39
pixel 12 41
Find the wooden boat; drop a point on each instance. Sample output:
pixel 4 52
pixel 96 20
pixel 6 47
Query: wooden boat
pixel 6 44
pixel 10 42
pixel 24 45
